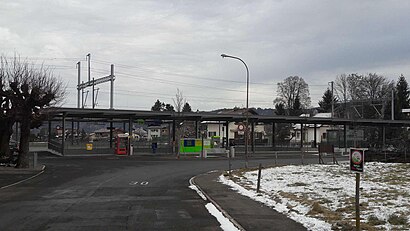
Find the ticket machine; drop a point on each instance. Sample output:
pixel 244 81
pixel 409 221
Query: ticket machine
pixel 121 144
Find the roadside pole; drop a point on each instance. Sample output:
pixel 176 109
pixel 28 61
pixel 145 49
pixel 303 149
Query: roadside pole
pixel 259 178
pixel 229 162
pixel 356 157
pixel 357 201
pixel 202 143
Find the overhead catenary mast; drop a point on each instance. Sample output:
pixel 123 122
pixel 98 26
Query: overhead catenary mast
pixel 92 82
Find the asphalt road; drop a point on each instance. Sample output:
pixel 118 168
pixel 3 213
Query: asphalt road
pixel 111 193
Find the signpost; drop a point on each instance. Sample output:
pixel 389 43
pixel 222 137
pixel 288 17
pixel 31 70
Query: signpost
pixel 356 157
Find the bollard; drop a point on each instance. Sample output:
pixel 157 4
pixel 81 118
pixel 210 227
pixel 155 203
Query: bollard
pixel 131 150
pixel 229 163
pixel 35 156
pixel 232 151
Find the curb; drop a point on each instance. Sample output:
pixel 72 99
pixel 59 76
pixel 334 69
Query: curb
pixel 21 181
pixel 226 214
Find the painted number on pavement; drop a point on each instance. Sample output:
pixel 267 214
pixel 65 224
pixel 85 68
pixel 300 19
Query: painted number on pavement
pixel 142 183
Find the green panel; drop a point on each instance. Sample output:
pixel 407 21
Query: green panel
pixel 193 145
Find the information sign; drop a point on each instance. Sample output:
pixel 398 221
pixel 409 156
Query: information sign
pixel 356 160
pixel 89 147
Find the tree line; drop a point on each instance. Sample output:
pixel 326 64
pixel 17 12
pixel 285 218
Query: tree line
pixel 353 96
pixel 180 104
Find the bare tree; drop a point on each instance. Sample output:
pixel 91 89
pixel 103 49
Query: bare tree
pixel 356 90
pixel 370 91
pixel 29 91
pixel 290 89
pixel 178 104
pixel 342 93
pixel 342 88
pixel 179 101
pixel 7 118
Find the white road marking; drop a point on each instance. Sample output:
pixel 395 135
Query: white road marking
pixel 38 174
pixel 144 183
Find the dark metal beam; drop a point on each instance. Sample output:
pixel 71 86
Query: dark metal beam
pixel 106 114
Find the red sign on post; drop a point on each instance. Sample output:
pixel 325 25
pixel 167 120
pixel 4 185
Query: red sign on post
pixel 357 159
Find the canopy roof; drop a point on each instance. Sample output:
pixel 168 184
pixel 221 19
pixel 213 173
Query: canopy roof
pixel 115 115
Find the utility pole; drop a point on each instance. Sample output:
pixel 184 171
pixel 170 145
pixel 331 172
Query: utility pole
pixel 78 97
pixel 88 57
pixel 392 104
pixel 112 87
pixel 79 81
pixel 93 94
pixel 82 95
pixel 333 100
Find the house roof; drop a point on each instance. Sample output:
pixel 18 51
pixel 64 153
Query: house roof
pixel 297 126
pixel 323 115
pixel 158 126
pixel 236 111
pixel 105 130
pixel 102 130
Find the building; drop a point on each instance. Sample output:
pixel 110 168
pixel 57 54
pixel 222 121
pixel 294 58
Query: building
pixel 309 130
pixel 156 132
pixel 104 133
pixel 236 130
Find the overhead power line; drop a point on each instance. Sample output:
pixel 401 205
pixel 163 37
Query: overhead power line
pixel 150 70
pixel 180 83
pixel 188 97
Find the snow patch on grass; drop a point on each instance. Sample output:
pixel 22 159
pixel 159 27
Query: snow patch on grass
pixel 321 197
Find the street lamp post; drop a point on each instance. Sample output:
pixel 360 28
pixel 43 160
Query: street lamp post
pixel 247 104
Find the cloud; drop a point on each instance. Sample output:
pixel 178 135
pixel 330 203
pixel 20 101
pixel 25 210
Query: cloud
pixel 160 46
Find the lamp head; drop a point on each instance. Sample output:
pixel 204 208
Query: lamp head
pixel 223 55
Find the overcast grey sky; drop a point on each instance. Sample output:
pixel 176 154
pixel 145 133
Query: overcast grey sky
pixel 159 46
